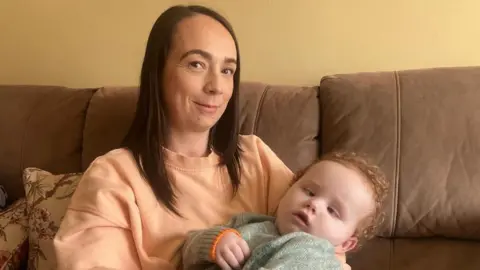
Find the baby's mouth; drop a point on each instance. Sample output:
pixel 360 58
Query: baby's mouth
pixel 302 217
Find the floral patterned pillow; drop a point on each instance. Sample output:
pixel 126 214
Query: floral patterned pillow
pixel 13 235
pixel 48 197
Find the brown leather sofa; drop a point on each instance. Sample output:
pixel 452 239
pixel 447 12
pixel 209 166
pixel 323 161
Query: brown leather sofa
pixel 422 126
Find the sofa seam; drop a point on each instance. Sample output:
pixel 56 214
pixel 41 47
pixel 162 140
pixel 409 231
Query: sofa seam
pixel 398 151
pixel 82 145
pixel 320 121
pixel 259 108
pixel 398 133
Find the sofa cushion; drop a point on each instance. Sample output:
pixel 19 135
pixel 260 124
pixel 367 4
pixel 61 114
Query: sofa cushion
pixel 416 254
pixel 264 110
pixel 267 110
pixel 13 235
pixel 423 127
pixel 48 197
pixel 108 119
pixel 42 127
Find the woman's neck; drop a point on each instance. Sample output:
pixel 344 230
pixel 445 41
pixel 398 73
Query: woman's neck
pixel 189 144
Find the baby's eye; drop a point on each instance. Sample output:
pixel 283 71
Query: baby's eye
pixel 309 192
pixel 333 212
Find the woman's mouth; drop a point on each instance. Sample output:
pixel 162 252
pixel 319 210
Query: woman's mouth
pixel 206 108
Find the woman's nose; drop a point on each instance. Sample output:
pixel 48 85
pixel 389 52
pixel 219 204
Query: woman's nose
pixel 213 85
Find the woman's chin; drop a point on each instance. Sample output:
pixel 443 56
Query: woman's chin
pixel 200 124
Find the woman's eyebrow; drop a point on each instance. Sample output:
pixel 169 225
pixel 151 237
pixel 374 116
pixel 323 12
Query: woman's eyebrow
pixel 206 55
pixel 230 60
pixel 202 53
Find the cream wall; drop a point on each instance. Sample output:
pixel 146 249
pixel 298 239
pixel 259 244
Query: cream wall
pixel 91 43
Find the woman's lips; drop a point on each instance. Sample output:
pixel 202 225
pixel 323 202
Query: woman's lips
pixel 206 108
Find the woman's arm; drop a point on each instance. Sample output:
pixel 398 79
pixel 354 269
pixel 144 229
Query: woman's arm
pixel 276 175
pixel 95 232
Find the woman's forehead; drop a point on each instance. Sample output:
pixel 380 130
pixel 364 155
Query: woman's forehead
pixel 201 32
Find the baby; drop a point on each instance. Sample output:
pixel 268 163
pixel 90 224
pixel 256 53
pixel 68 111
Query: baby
pixel 332 207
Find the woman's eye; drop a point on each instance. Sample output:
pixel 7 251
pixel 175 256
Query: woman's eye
pixel 196 65
pixel 228 71
pixel 333 212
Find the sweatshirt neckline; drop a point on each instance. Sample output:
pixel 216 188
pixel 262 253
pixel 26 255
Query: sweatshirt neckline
pixel 184 162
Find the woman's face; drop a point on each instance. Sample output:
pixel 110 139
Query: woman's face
pixel 198 77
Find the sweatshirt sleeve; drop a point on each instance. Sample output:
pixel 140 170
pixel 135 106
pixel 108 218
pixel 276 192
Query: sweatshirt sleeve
pixel 343 260
pixel 276 175
pixel 95 231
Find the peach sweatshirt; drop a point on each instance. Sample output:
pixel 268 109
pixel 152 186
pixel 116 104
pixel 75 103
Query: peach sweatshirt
pixel 114 220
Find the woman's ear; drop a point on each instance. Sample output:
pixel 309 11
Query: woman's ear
pixel 348 245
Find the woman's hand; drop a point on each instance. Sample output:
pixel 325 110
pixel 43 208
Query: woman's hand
pixel 231 251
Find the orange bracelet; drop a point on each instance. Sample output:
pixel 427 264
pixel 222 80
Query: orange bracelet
pixel 217 239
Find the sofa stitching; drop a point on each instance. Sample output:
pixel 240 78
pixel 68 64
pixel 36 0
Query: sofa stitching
pixel 84 125
pixel 259 107
pixel 396 170
pixel 320 121
pixel 398 149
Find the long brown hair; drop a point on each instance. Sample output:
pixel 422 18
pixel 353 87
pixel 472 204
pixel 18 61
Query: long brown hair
pixel 148 131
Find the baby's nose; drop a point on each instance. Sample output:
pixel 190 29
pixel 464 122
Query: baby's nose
pixel 312 207
pixel 317 206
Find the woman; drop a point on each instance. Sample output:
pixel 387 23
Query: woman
pixel 183 165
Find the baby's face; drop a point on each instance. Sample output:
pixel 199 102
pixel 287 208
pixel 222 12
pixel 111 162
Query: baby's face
pixel 328 201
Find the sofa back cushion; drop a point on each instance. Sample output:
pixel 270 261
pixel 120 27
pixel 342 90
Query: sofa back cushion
pixel 107 121
pixel 41 126
pixel 422 127
pixel 285 117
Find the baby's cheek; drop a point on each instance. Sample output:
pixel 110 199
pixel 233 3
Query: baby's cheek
pixel 340 233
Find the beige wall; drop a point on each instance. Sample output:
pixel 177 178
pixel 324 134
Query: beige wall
pixel 91 43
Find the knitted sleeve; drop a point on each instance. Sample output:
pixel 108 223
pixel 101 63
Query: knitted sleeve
pixel 200 246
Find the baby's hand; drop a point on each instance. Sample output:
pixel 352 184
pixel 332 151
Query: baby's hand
pixel 231 251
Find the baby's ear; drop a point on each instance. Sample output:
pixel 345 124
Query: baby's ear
pixel 348 245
